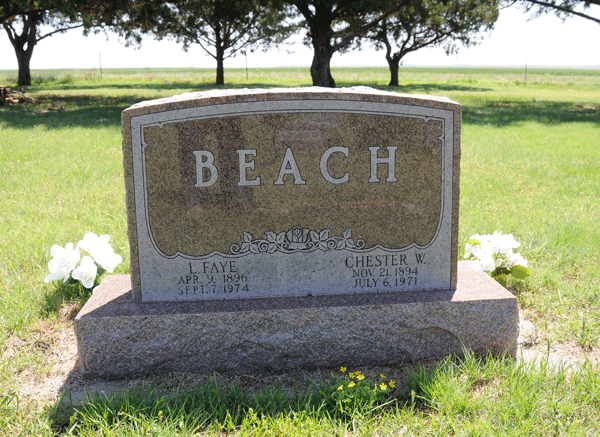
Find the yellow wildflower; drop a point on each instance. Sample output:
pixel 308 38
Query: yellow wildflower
pixel 341 387
pixel 382 376
pixel 360 376
pixel 352 384
pixel 392 383
pixel 343 369
pixel 382 386
pixel 351 374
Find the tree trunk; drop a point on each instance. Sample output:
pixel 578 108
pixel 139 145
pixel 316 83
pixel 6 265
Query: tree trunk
pixel 320 70
pixel 24 61
pixel 394 64
pixel 24 44
pixel 220 70
pixel 220 55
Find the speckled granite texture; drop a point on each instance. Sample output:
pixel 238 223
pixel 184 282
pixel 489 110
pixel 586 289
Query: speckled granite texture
pixel 291 192
pixel 119 338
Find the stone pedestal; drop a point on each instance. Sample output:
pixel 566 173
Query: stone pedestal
pixel 117 337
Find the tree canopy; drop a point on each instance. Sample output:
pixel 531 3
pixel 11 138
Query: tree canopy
pixel 223 28
pixel 588 9
pixel 432 23
pixel 333 26
pixel 22 21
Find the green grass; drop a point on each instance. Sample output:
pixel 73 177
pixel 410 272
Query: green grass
pixel 470 397
pixel 218 407
pixel 530 166
pixel 541 182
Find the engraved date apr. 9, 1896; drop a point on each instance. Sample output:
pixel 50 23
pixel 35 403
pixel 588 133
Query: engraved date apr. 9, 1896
pixel 213 278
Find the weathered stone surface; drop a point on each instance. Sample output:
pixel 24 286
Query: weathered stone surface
pixel 118 337
pixel 291 192
pixel 289 229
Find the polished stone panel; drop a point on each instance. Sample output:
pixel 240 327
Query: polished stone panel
pixel 291 192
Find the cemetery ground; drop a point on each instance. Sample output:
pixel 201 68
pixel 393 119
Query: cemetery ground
pixel 530 167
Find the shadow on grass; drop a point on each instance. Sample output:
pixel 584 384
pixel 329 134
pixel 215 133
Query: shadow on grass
pixel 65 293
pixel 517 288
pixel 430 88
pixel 160 85
pixel 87 110
pixel 99 111
pixel 506 113
pixel 213 404
pixel 62 112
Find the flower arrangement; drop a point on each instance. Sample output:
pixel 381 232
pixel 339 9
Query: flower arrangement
pixel 64 263
pixel 494 253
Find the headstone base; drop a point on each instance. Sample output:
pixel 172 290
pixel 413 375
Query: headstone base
pixel 118 338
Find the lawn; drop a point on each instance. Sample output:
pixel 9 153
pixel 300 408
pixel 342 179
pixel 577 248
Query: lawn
pixel 530 166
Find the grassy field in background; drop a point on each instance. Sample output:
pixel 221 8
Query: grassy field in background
pixel 530 166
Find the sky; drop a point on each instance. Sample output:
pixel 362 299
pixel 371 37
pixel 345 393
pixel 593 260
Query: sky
pixel 516 40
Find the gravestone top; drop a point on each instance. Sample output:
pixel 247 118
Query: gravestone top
pixel 213 96
pixel 291 192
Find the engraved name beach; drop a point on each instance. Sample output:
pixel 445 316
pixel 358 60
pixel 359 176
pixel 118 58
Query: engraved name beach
pixel 205 162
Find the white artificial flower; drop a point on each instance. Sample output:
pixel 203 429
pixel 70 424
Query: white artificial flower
pixel 480 252
pixel 108 259
pixel 505 243
pixel 86 272
pixel 517 260
pixel 476 237
pixel 487 263
pixel 468 250
pixel 63 262
pixel 99 249
pixel 509 241
pixel 492 242
pixel 494 251
pixel 91 242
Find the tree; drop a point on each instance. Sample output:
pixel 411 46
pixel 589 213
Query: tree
pixel 565 8
pixel 432 23
pixel 24 33
pixel 334 26
pixel 22 20
pixel 223 28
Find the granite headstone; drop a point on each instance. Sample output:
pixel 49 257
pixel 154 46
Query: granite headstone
pixel 268 227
